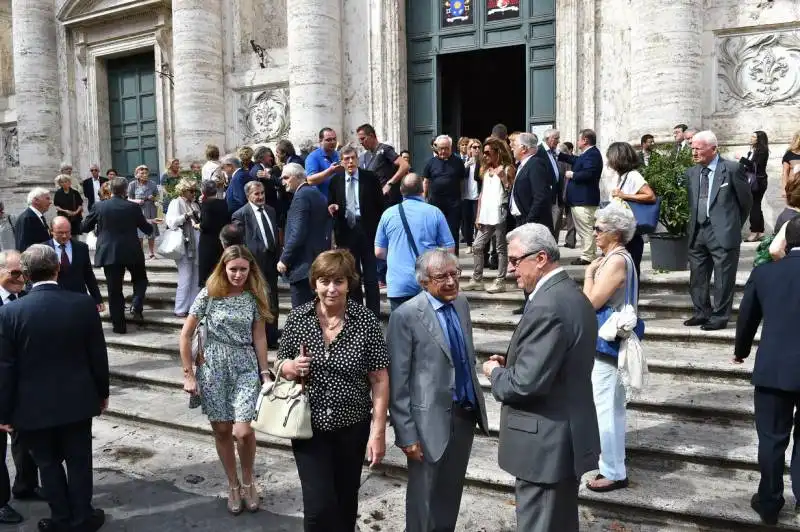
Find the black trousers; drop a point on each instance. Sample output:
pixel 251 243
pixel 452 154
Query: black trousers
pixel 777 417
pixel 358 242
pixel 756 214
pixel 272 328
pixel 68 492
pixel 27 477
pixel 452 213
pixel 329 466
pixel 115 274
pixel 395 302
pixel 468 211
pixel 636 248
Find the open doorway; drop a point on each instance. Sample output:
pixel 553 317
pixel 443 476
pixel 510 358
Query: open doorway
pixel 481 88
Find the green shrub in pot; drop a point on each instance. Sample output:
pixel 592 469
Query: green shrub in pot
pixel 665 174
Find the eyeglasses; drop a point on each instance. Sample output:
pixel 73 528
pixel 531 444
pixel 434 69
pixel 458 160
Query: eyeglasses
pixel 15 273
pixel 514 261
pixel 441 278
pixel 598 229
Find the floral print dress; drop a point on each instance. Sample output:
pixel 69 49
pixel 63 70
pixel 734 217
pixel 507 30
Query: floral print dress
pixel 228 380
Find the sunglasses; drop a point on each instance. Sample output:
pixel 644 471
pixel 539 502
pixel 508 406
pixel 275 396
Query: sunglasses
pixel 15 273
pixel 598 229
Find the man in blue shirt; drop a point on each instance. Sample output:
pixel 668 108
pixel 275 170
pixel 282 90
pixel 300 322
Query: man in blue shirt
pixel 322 163
pixel 427 229
pixel 442 181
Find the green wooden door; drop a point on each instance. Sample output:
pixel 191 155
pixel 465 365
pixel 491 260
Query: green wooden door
pixel 132 113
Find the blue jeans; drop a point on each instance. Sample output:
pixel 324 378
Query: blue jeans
pixel 301 292
pixel 609 400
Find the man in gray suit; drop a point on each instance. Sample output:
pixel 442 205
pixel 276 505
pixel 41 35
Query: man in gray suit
pixel 719 202
pixel 436 398
pixel 548 424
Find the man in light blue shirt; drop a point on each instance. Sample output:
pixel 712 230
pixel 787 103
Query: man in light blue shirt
pixel 428 229
pixel 323 163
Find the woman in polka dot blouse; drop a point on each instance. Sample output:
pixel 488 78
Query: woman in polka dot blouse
pixel 345 369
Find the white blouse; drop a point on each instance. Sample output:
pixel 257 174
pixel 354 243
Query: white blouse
pixel 493 200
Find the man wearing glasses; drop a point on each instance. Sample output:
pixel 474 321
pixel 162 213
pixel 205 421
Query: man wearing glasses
pixel 91 186
pixel 323 163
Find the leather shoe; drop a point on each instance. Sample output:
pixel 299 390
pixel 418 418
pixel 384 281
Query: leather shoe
pixel 48 525
pixel 518 311
pixel 9 516
pixel 31 495
pixel 580 262
pixel 695 321
pixel 714 325
pixel 767 518
pixel 94 523
pixel 136 315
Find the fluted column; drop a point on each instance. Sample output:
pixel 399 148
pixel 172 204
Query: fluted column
pixel 666 66
pixel 36 89
pixel 315 67
pixel 199 104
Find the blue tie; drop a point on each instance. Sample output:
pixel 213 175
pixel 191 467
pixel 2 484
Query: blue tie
pixel 465 392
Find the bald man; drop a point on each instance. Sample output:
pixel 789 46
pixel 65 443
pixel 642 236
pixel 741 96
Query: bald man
pixel 76 273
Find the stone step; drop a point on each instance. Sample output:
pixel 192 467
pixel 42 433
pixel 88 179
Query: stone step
pixel 660 488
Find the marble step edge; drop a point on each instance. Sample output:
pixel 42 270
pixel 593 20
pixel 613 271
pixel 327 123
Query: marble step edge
pixel 641 497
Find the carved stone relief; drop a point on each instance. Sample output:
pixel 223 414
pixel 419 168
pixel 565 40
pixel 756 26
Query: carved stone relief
pixel 759 70
pixel 264 116
pixel 10 147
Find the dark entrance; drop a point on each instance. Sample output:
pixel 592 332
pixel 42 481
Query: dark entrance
pixel 480 89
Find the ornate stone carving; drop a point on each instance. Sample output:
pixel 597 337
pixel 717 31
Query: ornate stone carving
pixel 759 70
pixel 10 147
pixel 264 116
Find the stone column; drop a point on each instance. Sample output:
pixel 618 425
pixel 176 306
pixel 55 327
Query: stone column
pixel 199 104
pixel 666 67
pixel 37 91
pixel 315 68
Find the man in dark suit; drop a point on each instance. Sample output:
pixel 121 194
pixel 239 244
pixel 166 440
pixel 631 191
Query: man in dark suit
pixel 75 272
pixel 307 232
pixel 583 192
pixel 91 186
pixel 53 381
pixel 719 202
pixel 532 192
pixel 119 249
pixel 355 201
pixel 238 178
pixel 548 153
pixel 31 226
pixel 548 423
pixel 260 224
pixel 26 482
pixel 773 294
pixel 263 161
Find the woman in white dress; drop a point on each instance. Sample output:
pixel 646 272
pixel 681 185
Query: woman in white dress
pixel 183 214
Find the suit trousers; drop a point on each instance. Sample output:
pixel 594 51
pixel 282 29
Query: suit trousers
pixel 609 401
pixel 777 417
pixel 557 213
pixel 468 212
pixel 362 247
pixel 452 213
pixel 69 493
pixel 115 274
pixel 433 493
pixel 272 328
pixel 547 507
pixel 329 466
pixel 188 284
pixel 569 227
pixel 636 248
pixel 583 218
pixel 27 474
pixel 705 256
pixel 301 292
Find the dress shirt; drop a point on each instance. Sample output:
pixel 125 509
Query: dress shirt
pixel 712 166
pixel 44 282
pixel 4 295
pixel 356 204
pixel 551 155
pixel 513 205
pixel 261 224
pixel 67 248
pixel 544 280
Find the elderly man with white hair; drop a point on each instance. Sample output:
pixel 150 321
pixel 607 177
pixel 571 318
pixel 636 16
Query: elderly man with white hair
pixel 31 226
pixel 441 182
pixel 238 178
pixel 719 203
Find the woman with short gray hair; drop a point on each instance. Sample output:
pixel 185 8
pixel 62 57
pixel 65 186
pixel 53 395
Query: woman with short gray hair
pixel 610 280
pixel 184 215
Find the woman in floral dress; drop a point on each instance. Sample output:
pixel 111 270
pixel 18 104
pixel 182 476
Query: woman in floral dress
pixel 144 192
pixel 235 306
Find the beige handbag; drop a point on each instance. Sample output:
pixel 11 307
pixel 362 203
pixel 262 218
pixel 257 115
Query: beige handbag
pixel 283 408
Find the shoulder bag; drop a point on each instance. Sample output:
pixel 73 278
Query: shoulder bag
pixel 411 243
pixel 646 214
pixel 283 409
pixel 611 348
pixel 198 349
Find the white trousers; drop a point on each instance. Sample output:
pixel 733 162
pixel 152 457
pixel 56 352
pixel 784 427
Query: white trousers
pixel 188 284
pixel 609 400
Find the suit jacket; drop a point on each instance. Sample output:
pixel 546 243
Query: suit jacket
pixel 52 371
pixel 533 192
pixel 214 216
pixel 29 230
pixel 370 202
pixel 422 375
pixel 117 240
pixel 772 294
pixel 307 232
pixel 583 189
pixel 88 191
pixel 558 178
pixel 267 259
pixel 235 195
pixel 79 277
pixel 271 185
pixel 548 423
pixel 730 201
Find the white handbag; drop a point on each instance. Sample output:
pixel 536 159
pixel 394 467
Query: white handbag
pixel 283 409
pixel 171 245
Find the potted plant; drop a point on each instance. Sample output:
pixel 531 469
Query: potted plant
pixel 665 173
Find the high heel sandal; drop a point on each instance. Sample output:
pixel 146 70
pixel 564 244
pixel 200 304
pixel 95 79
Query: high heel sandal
pixel 251 499
pixel 235 500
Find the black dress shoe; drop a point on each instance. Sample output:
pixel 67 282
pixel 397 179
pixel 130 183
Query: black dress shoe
pixel 767 518
pixel 120 330
pixel 694 321
pixel 94 523
pixel 580 262
pixel 48 525
pixel 518 311
pixel 615 485
pixel 714 325
pixel 136 315
pixel 31 495
pixel 8 515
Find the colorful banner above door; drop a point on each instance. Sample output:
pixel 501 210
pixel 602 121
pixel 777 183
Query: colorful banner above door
pixel 456 12
pixel 501 9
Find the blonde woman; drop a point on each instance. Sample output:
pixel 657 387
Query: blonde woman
pixel 68 202
pixel 144 192
pixel 235 306
pixel 184 215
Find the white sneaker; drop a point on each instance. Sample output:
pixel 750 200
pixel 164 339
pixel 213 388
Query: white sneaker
pixel 497 286
pixel 468 251
pixel 472 286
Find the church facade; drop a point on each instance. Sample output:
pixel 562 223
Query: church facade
pixel 126 82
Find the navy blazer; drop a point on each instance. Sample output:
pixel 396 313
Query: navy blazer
pixel 79 277
pixel 772 294
pixel 29 230
pixel 266 258
pixel 583 189
pixel 235 195
pixel 307 232
pixel 557 177
pixel 52 371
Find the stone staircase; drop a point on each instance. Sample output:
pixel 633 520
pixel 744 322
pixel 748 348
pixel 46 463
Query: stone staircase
pixel 692 445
